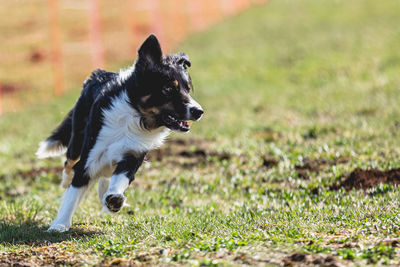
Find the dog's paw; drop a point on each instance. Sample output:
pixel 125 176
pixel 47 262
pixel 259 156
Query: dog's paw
pixel 114 202
pixel 58 227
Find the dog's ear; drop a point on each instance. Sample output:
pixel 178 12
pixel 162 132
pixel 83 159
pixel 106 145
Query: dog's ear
pixel 183 60
pixel 150 51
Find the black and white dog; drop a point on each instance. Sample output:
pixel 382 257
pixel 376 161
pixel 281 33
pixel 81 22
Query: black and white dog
pixel 117 119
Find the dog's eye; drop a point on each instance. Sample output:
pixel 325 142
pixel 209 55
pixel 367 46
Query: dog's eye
pixel 167 91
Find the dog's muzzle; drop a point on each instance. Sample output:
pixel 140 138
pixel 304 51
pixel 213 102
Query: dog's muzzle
pixel 196 113
pixel 194 110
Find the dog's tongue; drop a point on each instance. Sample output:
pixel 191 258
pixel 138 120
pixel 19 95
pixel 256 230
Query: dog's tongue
pixel 186 123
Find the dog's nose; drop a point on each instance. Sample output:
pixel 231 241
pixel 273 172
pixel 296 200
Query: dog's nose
pixel 196 113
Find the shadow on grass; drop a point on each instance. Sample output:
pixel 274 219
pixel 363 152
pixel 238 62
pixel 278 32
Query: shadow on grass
pixel 30 232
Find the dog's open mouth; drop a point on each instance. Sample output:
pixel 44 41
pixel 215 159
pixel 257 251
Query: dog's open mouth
pixel 175 124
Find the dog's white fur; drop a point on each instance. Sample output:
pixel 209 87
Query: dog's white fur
pixel 48 149
pixel 117 186
pixel 121 133
pixel 71 199
pixel 66 178
pixel 124 74
pixel 102 187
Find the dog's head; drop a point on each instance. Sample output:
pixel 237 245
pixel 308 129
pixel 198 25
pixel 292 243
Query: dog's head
pixel 164 87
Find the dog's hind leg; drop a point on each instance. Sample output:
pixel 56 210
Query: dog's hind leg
pixel 79 116
pixel 79 121
pixel 71 199
pixel 68 172
pixel 124 174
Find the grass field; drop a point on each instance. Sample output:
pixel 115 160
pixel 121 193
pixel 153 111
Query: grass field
pixel 297 95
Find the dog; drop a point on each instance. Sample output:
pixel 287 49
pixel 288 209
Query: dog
pixel 117 119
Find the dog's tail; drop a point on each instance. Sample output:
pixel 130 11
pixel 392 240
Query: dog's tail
pixel 56 144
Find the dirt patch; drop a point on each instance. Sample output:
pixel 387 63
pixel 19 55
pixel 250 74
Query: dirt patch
pixel 315 165
pixel 187 153
pixel 311 133
pixel 392 242
pixel 364 179
pixel 15 192
pixel 302 259
pixel 37 56
pixel 33 173
pixel 9 88
pixel 269 162
pixel 142 258
pixel 49 255
pixel 367 112
pixel 29 176
pixel 267 134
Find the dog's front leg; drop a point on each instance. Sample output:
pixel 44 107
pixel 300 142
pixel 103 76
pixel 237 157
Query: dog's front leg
pixel 124 174
pixel 102 187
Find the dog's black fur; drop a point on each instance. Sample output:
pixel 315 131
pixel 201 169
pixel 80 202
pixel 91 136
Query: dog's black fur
pixel 157 90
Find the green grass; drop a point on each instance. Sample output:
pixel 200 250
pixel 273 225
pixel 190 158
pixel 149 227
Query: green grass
pixel 290 80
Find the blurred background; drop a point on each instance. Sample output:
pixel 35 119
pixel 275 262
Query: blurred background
pixel 47 48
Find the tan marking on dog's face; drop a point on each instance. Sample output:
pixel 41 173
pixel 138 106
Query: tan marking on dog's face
pixel 189 86
pixel 175 82
pixel 150 123
pixel 151 111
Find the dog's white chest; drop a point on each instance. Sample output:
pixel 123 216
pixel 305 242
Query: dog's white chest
pixel 121 133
